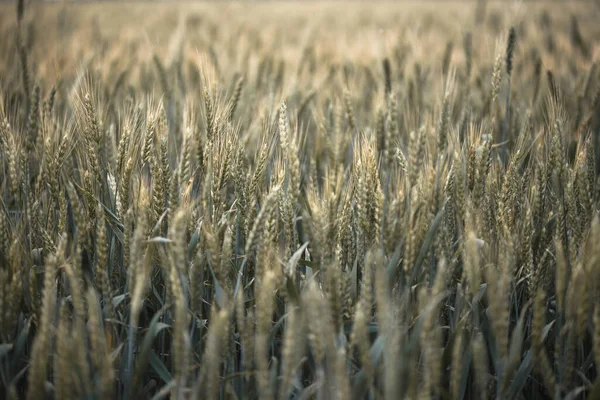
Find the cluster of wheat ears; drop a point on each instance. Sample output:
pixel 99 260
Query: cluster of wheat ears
pixel 343 201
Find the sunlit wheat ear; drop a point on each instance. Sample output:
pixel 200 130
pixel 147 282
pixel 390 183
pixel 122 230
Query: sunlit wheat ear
pixel 343 388
pixel 472 266
pixel 62 359
pixel 457 350
pixel 210 379
pixel 102 246
pixel 259 222
pixel 496 80
pixel 101 358
pixel 235 97
pixel 43 338
pixel 332 281
pixel 444 122
pixel 137 265
pixel 360 338
pixel 176 272
pixel 264 309
pixel 79 334
pixel 480 364
pixel 33 121
pixel 148 141
pixel 349 111
pixel 431 334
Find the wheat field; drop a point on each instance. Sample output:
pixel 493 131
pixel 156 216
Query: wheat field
pixel 300 200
